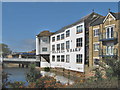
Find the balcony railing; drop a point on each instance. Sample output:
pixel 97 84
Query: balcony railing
pixel 108 37
pixel 105 53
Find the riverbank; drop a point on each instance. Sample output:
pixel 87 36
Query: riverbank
pixel 11 65
pixel 76 76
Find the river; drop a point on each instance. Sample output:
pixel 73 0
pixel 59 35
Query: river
pixel 18 74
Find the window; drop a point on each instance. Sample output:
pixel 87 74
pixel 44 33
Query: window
pixel 44 49
pixel 79 42
pixel 58 37
pixel 109 32
pixel 67 33
pixel 67 44
pixel 53 58
pixel 58 46
pixel 62 36
pixel 79 58
pixel 96 32
pixel 109 50
pixel 62 58
pixel 96 47
pixel 67 58
pixel 53 39
pixel 79 29
pixel 62 46
pixel 58 58
pixel 45 40
pixel 53 47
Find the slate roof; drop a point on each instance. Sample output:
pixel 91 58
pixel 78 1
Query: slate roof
pixel 97 21
pixel 86 18
pixel 116 15
pixel 100 19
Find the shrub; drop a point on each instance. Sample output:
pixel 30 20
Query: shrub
pixel 47 69
pixel 45 82
pixel 17 84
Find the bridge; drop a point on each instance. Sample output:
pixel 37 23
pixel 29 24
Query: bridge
pixel 23 61
pixel 18 60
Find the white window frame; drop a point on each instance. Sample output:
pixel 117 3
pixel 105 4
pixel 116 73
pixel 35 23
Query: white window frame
pixel 79 58
pixel 62 46
pixel 96 32
pixel 63 58
pixel 45 39
pixel 68 44
pixel 62 36
pixel 53 40
pixel 52 58
pixel 96 48
pixel 43 49
pixel 80 42
pixel 67 58
pixel 110 50
pixel 67 33
pixel 111 33
pixel 58 59
pixel 57 47
pixel 79 29
pixel 53 48
pixel 58 37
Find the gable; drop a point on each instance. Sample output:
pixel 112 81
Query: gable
pixel 109 17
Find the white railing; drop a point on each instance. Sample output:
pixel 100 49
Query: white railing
pixel 20 59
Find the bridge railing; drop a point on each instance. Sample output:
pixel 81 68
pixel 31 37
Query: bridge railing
pixel 20 59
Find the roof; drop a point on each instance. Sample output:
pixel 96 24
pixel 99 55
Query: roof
pixel 97 21
pixel 116 15
pixel 101 19
pixel 88 17
pixel 45 33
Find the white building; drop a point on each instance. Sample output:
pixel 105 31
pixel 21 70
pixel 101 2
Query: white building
pixel 43 48
pixel 69 45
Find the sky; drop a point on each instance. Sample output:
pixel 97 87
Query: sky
pixel 22 21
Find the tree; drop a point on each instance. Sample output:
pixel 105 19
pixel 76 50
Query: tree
pixel 4 50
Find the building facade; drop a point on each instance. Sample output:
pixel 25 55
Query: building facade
pixel 104 38
pixel 43 48
pixel 81 44
pixel 69 45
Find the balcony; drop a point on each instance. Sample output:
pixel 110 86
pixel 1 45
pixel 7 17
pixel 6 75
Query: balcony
pixel 110 53
pixel 108 36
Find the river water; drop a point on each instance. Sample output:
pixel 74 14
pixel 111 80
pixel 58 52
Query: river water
pixel 18 74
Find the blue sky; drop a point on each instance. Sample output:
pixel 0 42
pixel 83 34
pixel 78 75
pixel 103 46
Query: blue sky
pixel 21 22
